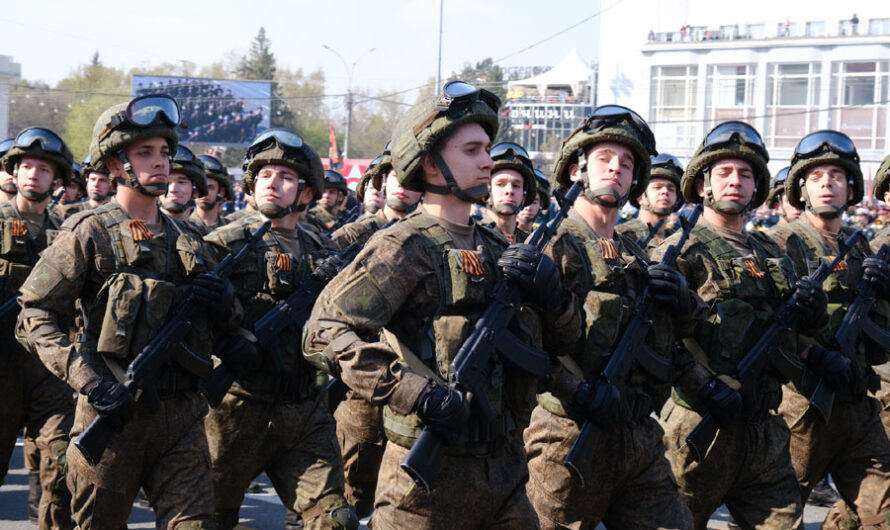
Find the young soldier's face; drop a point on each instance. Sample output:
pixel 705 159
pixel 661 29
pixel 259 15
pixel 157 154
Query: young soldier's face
pixel 395 192
pixel 530 212
pixel 373 198
pixel 212 192
pixel 466 154
pixel 610 165
pixel 827 185
pixel 331 197
pixel 150 160
pixel 790 211
pixel 35 175
pixel 276 185
pixel 732 180
pixel 7 182
pixel 507 188
pixel 98 184
pixel 72 193
pixel 179 189
pixel 661 193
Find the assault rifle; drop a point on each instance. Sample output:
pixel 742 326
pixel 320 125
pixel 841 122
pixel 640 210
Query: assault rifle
pixel 652 231
pixel 490 337
pixel 10 309
pixel 147 367
pixel 631 350
pixel 290 313
pixel 350 216
pixel 761 357
pixel 855 322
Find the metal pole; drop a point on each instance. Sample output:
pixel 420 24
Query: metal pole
pixel 348 118
pixel 439 69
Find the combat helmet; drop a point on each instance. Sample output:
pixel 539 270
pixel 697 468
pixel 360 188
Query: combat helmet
pixel 544 189
pixel 376 173
pixel 432 119
pixel 663 166
pixel 213 168
pixel 8 186
pixel 333 179
pixel 777 187
pixel 607 123
pixel 149 116
pixel 508 155
pixel 282 147
pixel 882 179
pixel 185 162
pixel 43 144
pixel 820 148
pixel 731 139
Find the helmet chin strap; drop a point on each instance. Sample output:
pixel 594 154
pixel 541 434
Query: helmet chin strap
pixel 825 212
pixel 506 210
pixel 597 195
pixel 9 188
pixel 99 197
pixel 176 207
pixel 204 205
pixel 273 211
pixel 401 206
pixel 474 194
pixel 725 207
pixel 151 190
pixel 657 210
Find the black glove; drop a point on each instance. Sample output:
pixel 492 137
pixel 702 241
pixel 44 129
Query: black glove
pixel 877 272
pixel 812 303
pixel 668 288
pixel 444 409
pixel 831 366
pixel 238 354
pixel 214 293
pixel 112 401
pixel 598 402
pixel 534 273
pixel 329 267
pixel 722 401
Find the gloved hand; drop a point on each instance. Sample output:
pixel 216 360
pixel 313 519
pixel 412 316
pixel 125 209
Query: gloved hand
pixel 534 273
pixel 877 272
pixel 328 267
pixel 444 409
pixel 812 303
pixel 831 366
pixel 722 401
pixel 668 287
pixel 599 402
pixel 238 353
pixel 111 400
pixel 214 293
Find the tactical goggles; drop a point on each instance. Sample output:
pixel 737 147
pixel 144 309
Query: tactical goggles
pixel 836 141
pixel 781 176
pixel 608 115
pixel 5 145
pixel 147 110
pixel 212 164
pixel 87 160
pixel 332 177
pixel 665 160
pixel 183 154
pixel 284 139
pixel 458 98
pixel 505 149
pixel 388 149
pixel 739 132
pixel 375 162
pixel 48 140
pixel 77 168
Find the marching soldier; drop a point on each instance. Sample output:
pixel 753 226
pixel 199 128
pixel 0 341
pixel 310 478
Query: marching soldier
pixel 778 200
pixel 526 218
pixel 208 215
pixel 187 180
pixel 71 200
pixel 325 214
pixel 513 186
pixel 7 181
pixel 657 202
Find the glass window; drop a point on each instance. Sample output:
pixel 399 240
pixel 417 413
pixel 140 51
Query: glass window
pixel 859 101
pixel 792 102
pixel 730 93
pixel 673 112
pixel 879 26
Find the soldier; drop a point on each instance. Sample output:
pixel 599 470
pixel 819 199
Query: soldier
pixel 274 418
pixel 527 216
pixel 372 198
pixel 424 281
pixel 187 180
pixel 824 180
pixel 325 213
pixel 107 258
pixel 7 181
pixel 71 200
pixel 882 193
pixel 778 199
pixel 657 202
pixel 208 215
pixel 742 277
pixel 372 181
pixel 513 186
pixel 629 484
pixel 33 398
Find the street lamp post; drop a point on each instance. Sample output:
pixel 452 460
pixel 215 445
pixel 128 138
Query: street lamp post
pixel 350 68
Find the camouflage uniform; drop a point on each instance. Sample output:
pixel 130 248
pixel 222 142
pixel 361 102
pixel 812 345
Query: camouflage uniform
pixel 34 398
pixel 203 228
pixel 270 420
pixel 321 218
pixel 104 251
pixel 641 231
pixel 64 211
pixel 360 230
pixel 418 282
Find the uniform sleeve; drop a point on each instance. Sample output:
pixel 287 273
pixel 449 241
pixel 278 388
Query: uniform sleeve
pixel 47 299
pixel 562 328
pixel 352 309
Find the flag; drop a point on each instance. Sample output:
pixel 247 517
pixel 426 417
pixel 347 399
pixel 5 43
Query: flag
pixel 335 153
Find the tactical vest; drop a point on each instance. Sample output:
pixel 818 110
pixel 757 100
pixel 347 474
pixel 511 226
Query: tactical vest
pixel 19 251
pixel 748 288
pixel 465 279
pixel 358 231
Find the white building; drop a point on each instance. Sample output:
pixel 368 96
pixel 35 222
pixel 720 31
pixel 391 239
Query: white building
pixel 9 71
pixel 787 68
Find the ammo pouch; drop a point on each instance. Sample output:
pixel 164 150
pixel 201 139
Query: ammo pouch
pixel 478 440
pixel 12 276
pixel 136 309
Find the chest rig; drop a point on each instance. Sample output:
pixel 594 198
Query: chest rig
pixel 19 251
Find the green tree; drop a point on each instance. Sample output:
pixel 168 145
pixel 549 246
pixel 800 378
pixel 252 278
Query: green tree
pixel 259 64
pixel 36 105
pixel 304 98
pixel 373 120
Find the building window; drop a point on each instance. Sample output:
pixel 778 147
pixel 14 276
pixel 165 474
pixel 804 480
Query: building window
pixel 729 94
pixel 879 26
pixel 673 112
pixel 816 29
pixel 859 101
pixel 792 102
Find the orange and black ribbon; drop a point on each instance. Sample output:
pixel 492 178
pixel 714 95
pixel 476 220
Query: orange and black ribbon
pixel 841 265
pixel 282 262
pixel 753 270
pixel 18 228
pixel 608 248
pixel 471 263
pixel 140 231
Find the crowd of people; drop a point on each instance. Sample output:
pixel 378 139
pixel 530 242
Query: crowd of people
pixel 463 342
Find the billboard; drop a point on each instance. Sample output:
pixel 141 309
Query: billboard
pixel 215 111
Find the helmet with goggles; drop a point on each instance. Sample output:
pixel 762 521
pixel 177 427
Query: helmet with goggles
pixel 215 170
pixel 43 144
pixel 821 148
pixel 285 148
pixel 663 166
pixel 509 155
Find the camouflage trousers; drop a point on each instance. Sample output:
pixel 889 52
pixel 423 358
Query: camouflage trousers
pixel 748 468
pixel 294 443
pixel 469 492
pixel 362 440
pixel 35 399
pixel 853 447
pixel 163 452
pixel 628 482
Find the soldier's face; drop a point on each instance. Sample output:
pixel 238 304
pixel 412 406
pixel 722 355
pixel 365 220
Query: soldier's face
pixel 150 159
pixel 395 191
pixel 179 189
pixel 530 212
pixel 35 175
pixel 276 185
pixel 609 165
pixel 331 197
pixel 466 154
pixel 212 192
pixel 72 193
pixel 507 188
pixel 790 211
pixel 373 198
pixel 827 185
pixel 98 184
pixel 661 193
pixel 7 182
pixel 732 180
